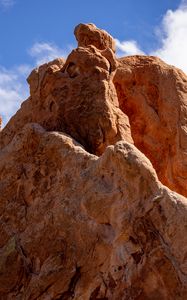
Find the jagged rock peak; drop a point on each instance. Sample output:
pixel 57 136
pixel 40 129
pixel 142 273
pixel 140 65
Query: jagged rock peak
pixel 89 34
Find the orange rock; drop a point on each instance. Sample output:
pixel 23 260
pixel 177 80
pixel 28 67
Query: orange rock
pixel 77 226
pixel 154 97
pixel 89 34
pixel 77 97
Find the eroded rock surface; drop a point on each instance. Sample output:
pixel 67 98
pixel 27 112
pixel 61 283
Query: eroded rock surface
pixel 81 216
pixel 89 34
pixel 154 97
pixel 77 226
pixel 77 97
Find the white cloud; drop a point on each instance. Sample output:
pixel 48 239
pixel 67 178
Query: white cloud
pixel 13 90
pixel 173 35
pixel 128 48
pixel 45 52
pixel 13 85
pixel 7 3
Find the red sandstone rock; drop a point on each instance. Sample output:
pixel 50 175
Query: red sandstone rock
pixel 154 97
pixel 77 226
pixel 89 34
pixel 78 98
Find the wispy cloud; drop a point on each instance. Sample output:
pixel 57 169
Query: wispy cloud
pixel 171 35
pixel 128 48
pixel 13 90
pixel 183 3
pixel 6 4
pixel 13 85
pixel 45 52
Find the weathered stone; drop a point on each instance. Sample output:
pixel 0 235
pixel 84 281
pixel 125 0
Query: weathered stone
pixel 77 97
pixel 89 34
pixel 154 97
pixel 85 226
pixel 98 225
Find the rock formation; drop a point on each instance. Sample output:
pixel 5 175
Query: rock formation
pixel 84 214
pixel 78 98
pixel 89 34
pixel 154 97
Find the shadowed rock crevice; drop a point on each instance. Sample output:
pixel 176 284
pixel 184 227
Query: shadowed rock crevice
pixel 70 293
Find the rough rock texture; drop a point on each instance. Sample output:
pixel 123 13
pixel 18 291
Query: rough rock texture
pixel 74 225
pixel 154 97
pixel 89 34
pixel 78 98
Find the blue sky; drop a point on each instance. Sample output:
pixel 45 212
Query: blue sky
pixel 32 32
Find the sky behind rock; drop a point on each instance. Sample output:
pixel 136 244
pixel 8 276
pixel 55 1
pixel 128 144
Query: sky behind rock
pixel 33 32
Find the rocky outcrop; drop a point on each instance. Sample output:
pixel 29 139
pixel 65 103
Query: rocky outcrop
pixel 83 212
pixel 154 97
pixel 77 97
pixel 93 97
pixel 77 226
pixel 89 34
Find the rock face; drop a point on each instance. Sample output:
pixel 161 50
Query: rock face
pixel 77 97
pixel 89 34
pixel 154 97
pixel 83 213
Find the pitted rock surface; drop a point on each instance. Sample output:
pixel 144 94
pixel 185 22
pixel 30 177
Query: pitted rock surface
pixel 154 97
pixel 89 34
pixel 78 98
pixel 83 214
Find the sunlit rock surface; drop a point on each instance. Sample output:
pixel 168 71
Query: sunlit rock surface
pixel 89 170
